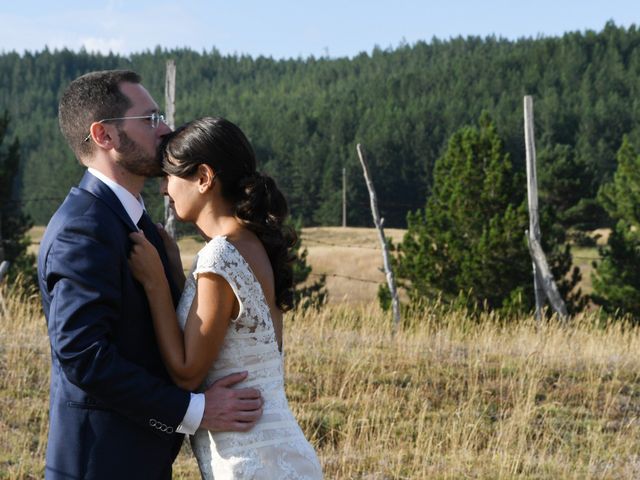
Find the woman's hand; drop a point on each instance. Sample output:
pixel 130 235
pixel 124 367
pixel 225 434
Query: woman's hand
pixel 144 261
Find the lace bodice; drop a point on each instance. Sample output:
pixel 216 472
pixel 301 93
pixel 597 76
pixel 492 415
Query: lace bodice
pixel 275 447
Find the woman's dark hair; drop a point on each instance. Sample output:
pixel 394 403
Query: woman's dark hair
pixel 258 202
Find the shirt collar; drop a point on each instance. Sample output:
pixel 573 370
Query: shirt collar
pixel 132 205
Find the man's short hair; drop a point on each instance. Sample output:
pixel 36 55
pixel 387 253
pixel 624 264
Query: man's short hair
pixel 88 99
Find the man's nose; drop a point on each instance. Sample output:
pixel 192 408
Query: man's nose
pixel 163 129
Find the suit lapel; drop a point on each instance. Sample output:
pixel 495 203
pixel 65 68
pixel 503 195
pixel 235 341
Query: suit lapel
pixel 98 189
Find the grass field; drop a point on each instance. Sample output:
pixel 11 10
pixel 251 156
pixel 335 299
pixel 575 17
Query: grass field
pixel 447 397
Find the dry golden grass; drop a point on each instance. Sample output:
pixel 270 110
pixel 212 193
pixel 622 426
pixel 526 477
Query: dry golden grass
pixel 350 257
pixel 583 258
pixel 449 397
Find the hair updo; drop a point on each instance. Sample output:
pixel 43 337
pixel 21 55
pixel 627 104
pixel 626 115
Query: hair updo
pixel 258 202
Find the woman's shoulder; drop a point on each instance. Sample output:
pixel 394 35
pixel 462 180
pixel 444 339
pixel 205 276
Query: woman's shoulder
pixel 235 248
pixel 217 243
pixel 215 250
pixel 249 246
pixel 251 249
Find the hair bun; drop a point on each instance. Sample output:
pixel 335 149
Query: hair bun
pixel 261 202
pixel 252 186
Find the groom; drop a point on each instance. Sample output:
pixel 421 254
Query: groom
pixel 114 413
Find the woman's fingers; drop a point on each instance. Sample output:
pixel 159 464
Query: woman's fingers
pixel 138 237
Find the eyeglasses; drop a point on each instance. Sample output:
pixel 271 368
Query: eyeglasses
pixel 155 119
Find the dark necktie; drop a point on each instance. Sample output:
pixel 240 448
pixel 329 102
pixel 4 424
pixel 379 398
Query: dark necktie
pixel 151 233
pixel 146 225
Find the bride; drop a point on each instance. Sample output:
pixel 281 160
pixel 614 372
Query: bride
pixel 230 315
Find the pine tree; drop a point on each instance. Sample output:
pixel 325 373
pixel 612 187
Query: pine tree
pixel 469 240
pixel 566 184
pixel 616 281
pixel 13 224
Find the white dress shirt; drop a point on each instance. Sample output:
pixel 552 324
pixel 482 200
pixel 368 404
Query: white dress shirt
pixel 134 208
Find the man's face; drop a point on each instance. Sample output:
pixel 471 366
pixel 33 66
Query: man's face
pixel 139 142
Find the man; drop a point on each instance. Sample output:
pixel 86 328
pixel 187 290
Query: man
pixel 114 412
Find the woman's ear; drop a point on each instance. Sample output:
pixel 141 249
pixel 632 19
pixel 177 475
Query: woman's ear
pixel 206 178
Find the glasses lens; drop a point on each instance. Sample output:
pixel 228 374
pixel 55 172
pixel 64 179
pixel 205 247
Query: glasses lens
pixel 156 118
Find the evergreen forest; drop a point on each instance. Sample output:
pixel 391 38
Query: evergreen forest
pixel 305 116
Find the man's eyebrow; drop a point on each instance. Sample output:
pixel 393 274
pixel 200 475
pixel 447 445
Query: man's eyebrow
pixel 151 110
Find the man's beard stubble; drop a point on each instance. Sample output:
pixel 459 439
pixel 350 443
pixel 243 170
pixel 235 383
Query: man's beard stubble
pixel 135 160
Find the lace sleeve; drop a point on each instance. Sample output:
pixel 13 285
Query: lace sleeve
pixel 217 257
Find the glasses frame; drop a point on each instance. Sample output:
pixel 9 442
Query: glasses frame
pixel 155 118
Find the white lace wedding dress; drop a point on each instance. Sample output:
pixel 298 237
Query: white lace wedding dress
pixel 276 447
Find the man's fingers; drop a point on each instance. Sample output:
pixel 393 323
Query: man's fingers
pixel 229 409
pixel 252 416
pixel 247 394
pixel 248 405
pixel 137 237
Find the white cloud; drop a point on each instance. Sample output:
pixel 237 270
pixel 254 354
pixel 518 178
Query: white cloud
pixel 103 45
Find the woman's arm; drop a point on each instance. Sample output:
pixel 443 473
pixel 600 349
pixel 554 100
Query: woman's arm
pixel 188 356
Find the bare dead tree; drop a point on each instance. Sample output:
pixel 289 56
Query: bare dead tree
pixel 544 284
pixel 170 108
pixel 386 257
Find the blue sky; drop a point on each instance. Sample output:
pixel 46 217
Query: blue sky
pixel 289 28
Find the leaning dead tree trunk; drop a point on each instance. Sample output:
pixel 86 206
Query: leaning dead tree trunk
pixel 546 278
pixel 383 242
pixel 544 284
pixel 4 268
pixel 170 108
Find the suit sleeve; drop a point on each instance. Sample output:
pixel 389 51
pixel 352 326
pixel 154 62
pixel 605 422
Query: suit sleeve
pixel 84 278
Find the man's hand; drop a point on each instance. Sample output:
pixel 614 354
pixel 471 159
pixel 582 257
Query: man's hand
pixel 228 409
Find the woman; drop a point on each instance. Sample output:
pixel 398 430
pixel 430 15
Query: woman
pixel 230 315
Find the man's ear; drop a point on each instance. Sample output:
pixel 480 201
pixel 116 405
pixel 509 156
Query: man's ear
pixel 102 135
pixel 206 178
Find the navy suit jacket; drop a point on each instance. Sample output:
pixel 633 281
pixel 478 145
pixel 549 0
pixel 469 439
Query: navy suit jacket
pixel 113 408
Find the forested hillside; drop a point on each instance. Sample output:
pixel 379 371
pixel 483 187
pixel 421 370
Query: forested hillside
pixel 304 116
